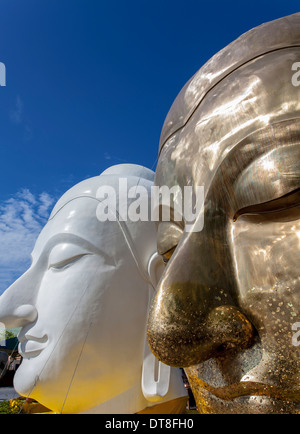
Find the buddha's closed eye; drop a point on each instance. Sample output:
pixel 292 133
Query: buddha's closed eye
pixel 168 237
pixel 63 264
pixel 64 255
pixel 283 207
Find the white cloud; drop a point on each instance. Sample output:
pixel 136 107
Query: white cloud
pixel 22 217
pixel 46 201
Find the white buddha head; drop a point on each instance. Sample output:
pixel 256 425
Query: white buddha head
pixel 82 305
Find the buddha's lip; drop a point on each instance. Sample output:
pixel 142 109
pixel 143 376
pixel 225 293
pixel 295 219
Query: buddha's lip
pixel 250 388
pixel 31 346
pixel 30 354
pixel 28 337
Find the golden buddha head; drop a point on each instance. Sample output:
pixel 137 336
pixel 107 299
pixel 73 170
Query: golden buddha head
pixel 228 301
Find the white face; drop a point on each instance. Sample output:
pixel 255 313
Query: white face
pixel 82 305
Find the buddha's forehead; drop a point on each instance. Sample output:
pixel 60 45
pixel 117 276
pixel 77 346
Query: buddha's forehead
pixel 247 125
pixel 86 188
pixel 275 35
pixel 120 178
pixel 77 218
pixel 256 96
pixel 76 223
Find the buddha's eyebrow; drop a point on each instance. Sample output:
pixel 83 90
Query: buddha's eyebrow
pixel 289 200
pixel 71 239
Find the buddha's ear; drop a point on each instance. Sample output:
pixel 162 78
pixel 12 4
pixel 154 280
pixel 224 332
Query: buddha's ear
pixel 155 375
pixel 156 267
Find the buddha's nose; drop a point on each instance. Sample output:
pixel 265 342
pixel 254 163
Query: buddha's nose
pixel 16 303
pixel 193 316
pixel 183 331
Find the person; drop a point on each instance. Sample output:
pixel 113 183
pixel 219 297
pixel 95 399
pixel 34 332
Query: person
pixel 227 303
pixel 82 306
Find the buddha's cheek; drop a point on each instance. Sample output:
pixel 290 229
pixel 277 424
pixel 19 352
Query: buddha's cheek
pixel 266 259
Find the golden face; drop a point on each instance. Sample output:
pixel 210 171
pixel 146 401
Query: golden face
pixel 229 297
pixel 228 301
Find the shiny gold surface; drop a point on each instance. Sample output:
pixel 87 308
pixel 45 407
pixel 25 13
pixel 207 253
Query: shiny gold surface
pixel 267 38
pixel 229 297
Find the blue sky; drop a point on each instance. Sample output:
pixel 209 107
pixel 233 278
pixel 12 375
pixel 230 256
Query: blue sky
pixel 89 84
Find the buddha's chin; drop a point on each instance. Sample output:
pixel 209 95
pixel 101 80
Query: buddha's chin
pixel 207 403
pixel 24 381
pixel 26 378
